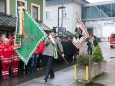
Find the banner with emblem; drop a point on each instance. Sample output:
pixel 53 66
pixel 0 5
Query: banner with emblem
pixel 28 35
pixel 81 33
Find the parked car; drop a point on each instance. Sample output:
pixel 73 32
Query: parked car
pixel 112 40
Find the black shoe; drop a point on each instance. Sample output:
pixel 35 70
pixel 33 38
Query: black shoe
pixel 45 80
pixel 51 77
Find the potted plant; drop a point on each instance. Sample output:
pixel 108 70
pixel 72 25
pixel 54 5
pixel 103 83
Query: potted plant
pixel 99 60
pixel 95 64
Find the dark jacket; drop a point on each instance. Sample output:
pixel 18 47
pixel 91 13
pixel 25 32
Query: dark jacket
pixel 89 44
pixel 95 42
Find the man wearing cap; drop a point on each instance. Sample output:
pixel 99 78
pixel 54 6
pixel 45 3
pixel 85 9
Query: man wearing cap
pixel 50 43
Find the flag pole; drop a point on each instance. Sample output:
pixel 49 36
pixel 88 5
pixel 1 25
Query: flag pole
pixel 59 52
pixel 76 13
pixel 62 56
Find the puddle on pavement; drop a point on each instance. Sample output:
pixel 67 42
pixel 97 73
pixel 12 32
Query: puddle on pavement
pixel 94 84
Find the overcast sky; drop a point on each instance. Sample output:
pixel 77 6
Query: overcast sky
pixel 93 1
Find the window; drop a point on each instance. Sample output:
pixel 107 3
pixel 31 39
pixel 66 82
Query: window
pixel 48 14
pixel 3 6
pixel 65 13
pixel 86 12
pixel 112 35
pixel 113 10
pixel 35 11
pixel 95 11
pixel 106 10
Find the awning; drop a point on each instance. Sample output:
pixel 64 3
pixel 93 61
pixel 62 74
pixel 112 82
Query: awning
pixel 7 21
pixel 45 28
pixel 10 21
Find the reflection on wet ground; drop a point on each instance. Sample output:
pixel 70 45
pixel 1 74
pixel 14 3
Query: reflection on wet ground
pixel 23 78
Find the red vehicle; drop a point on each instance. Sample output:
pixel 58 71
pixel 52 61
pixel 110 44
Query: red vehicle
pixel 112 40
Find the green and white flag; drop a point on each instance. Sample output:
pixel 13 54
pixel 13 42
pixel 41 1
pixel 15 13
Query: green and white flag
pixel 33 35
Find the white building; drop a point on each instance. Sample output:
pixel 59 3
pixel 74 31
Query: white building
pixel 70 7
pixel 99 18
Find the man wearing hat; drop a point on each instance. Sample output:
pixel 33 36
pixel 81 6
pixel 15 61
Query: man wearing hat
pixel 51 43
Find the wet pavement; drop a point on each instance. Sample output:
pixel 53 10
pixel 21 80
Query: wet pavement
pixel 64 74
pixel 108 78
pixel 108 53
pixel 13 81
pixel 64 77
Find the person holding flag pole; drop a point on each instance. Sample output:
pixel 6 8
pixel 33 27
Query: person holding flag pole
pixel 50 53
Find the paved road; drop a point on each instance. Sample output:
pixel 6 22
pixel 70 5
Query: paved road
pixel 65 76
pixel 107 51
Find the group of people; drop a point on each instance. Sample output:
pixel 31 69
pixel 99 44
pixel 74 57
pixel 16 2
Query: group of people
pixel 42 58
pixel 8 57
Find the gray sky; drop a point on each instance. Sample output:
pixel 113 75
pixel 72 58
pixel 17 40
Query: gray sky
pixel 94 1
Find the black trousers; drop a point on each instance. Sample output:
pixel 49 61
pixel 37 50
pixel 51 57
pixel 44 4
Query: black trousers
pixel 89 51
pixel 49 70
pixel 44 61
pixel 24 68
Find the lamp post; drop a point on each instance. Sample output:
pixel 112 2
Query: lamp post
pixel 62 7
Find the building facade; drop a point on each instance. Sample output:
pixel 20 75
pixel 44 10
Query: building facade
pixel 99 19
pixel 9 7
pixel 63 14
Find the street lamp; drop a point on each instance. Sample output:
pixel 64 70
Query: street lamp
pixel 62 7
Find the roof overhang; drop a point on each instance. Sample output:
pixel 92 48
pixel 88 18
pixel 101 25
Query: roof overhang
pixel 7 20
pixel 57 2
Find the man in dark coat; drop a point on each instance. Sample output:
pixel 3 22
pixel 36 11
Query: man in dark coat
pixel 69 49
